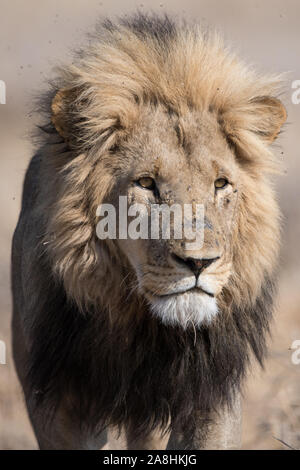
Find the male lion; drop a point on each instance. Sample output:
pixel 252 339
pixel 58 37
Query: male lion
pixel 147 338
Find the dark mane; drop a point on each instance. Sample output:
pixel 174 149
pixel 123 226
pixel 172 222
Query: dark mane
pixel 161 28
pixel 141 373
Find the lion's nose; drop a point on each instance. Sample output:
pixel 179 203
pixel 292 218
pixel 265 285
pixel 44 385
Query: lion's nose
pixel 194 264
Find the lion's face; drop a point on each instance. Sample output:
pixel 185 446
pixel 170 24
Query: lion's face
pixel 180 161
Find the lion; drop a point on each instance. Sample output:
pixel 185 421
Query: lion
pixel 147 341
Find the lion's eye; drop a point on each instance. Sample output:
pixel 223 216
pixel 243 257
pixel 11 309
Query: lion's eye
pixel 221 183
pixel 146 182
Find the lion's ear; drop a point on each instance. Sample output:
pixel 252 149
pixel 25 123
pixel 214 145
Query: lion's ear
pixel 61 112
pixel 270 116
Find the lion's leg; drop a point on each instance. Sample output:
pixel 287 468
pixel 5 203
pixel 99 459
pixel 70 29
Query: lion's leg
pixel 64 430
pixel 224 432
pixel 62 433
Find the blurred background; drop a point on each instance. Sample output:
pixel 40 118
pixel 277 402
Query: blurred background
pixel 34 37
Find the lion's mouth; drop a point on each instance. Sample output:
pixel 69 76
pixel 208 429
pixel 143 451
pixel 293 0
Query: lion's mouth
pixel 197 290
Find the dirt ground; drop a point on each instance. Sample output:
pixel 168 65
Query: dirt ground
pixel 33 37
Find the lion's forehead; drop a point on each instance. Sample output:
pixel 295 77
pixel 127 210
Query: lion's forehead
pixel 202 151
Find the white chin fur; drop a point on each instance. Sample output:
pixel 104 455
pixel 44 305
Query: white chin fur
pixel 185 309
